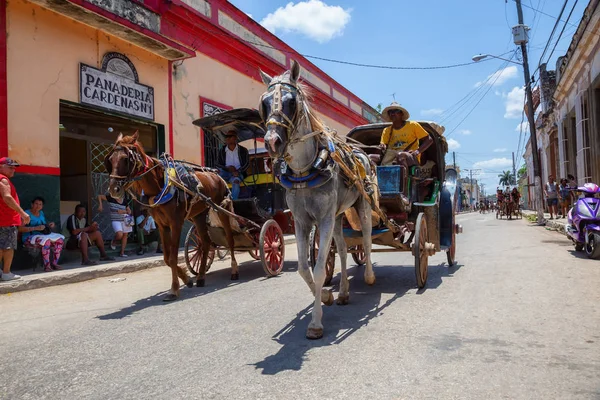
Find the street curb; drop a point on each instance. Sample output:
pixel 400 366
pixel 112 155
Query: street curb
pixel 81 274
pixel 552 224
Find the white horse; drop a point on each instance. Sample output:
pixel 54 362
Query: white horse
pixel 297 138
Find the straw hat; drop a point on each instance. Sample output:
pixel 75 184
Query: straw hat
pixel 394 106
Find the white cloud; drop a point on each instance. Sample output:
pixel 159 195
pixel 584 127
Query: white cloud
pixel 494 163
pixel 498 78
pixel 465 132
pixel 514 103
pixel 522 127
pixel 453 144
pixel 312 18
pixel 432 112
pixel 502 150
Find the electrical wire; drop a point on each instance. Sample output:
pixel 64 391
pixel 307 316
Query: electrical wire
pixel 543 13
pixel 562 31
pixel 343 62
pixel 552 33
pixel 479 101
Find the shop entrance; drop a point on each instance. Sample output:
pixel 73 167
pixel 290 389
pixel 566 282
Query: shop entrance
pixel 86 137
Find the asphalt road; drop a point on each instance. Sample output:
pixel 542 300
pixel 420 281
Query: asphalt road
pixel 516 319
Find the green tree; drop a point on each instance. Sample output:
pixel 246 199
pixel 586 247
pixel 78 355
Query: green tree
pixel 522 171
pixel 506 178
pixel 379 108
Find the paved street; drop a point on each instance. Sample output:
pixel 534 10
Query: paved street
pixel 516 319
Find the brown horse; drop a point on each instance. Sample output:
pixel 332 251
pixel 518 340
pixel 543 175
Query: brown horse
pixel 132 170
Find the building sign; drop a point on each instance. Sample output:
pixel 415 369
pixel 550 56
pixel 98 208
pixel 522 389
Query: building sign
pixel 115 87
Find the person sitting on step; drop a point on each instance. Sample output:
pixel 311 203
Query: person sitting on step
pixel 82 235
pixel 37 234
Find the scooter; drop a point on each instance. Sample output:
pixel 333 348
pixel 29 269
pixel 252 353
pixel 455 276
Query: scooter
pixel 584 221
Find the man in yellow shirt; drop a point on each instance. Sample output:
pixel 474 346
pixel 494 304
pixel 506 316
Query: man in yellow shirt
pixel 405 140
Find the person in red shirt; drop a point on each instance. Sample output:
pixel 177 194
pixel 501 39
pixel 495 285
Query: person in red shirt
pixel 11 216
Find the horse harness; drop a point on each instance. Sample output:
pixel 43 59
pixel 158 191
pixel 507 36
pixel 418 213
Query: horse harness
pixel 177 177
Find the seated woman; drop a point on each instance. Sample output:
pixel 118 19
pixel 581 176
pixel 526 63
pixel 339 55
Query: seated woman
pixel 37 234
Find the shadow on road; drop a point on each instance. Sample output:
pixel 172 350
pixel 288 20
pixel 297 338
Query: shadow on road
pixel 215 281
pixel 340 322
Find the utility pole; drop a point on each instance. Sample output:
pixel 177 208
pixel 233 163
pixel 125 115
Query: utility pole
pixel 454 160
pixel 514 170
pixel 471 184
pixel 530 113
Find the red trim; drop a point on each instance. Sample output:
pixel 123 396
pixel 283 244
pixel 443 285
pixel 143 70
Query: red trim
pixel 214 103
pixel 186 26
pixel 3 83
pixel 170 97
pixel 122 21
pixel 38 170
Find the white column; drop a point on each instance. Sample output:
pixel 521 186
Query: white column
pixel 561 148
pixel 579 159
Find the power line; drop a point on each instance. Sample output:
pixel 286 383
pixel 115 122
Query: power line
pixel 448 115
pixel 552 33
pixel 543 13
pixel 562 31
pixel 352 63
pixel 480 99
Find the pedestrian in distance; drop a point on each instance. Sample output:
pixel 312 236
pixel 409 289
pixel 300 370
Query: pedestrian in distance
pixel 121 220
pixel 551 194
pixel 11 217
pixel 564 192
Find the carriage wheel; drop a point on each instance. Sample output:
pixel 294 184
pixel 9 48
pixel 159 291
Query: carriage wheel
pixel 272 248
pixel 255 254
pixel 451 252
pixel 314 253
pixel 360 258
pixel 193 252
pixel 421 254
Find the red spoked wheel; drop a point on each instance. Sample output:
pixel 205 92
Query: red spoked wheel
pixel 193 252
pixel 272 248
pixel 360 258
pixel 255 254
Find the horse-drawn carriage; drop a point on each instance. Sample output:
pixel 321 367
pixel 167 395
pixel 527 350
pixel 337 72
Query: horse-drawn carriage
pixel 419 203
pixel 261 203
pixel 509 205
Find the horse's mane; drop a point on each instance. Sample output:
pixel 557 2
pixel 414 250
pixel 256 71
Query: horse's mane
pixel 306 101
pixel 131 141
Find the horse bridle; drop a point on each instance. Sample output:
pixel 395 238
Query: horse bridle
pixel 135 173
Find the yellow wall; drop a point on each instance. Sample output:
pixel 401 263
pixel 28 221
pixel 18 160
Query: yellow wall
pixel 205 77
pixel 44 50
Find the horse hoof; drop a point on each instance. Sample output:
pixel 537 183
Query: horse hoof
pixel 170 297
pixel 343 300
pixel 235 277
pixel 314 333
pixel 370 280
pixel 200 283
pixel 327 297
pixel 190 283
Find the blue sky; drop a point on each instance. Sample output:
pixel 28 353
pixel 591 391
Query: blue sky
pixel 428 33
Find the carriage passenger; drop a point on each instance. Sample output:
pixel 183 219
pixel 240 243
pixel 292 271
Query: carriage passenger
pixel 233 161
pixel 405 140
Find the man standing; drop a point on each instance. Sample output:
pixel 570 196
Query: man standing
pixel 551 193
pixel 233 161
pixel 404 136
pixel 11 216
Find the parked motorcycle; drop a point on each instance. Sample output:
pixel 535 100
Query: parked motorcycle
pixel 584 221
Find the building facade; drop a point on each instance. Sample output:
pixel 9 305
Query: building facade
pixel 577 98
pixel 75 73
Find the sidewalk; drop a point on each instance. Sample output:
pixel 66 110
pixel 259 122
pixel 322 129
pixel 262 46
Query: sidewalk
pixel 74 272
pixel 555 224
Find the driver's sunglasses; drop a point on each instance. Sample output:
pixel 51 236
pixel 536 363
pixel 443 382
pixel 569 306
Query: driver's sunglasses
pixel 392 112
